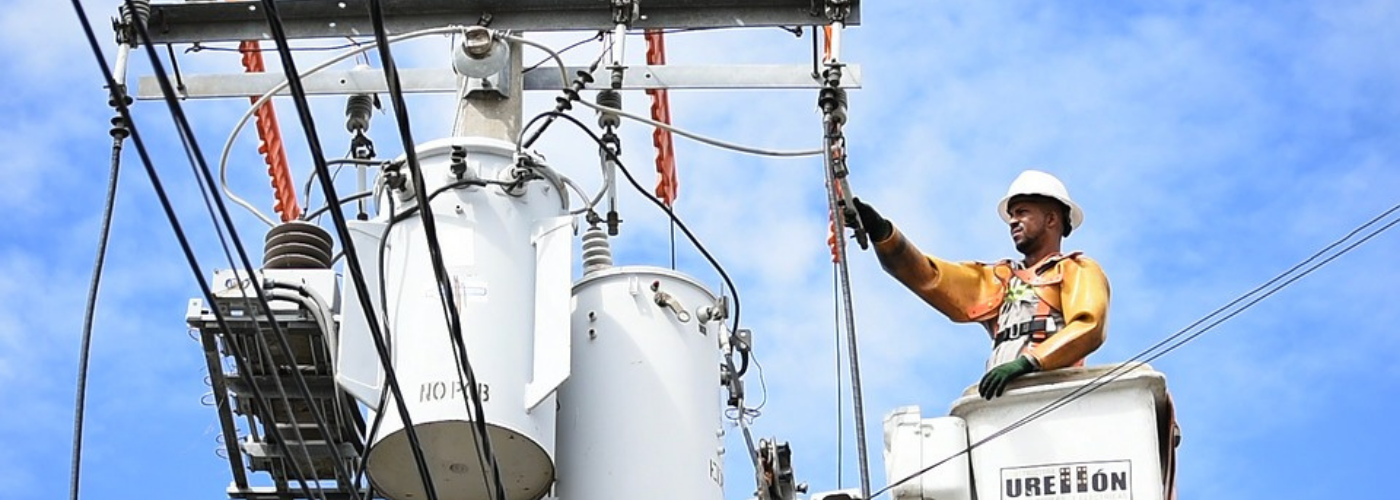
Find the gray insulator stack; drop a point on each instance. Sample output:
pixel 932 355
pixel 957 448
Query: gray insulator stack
pixel 297 245
pixel 359 108
pixel 597 252
pixel 142 11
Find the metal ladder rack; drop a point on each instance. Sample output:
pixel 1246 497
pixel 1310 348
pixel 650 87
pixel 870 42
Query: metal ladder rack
pixel 266 365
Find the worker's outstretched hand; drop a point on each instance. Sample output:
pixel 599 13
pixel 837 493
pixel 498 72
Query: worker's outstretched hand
pixel 994 382
pixel 876 226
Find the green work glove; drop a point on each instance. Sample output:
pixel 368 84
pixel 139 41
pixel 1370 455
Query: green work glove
pixel 994 382
pixel 876 226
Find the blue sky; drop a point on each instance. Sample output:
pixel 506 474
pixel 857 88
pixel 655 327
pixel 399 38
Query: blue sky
pixel 1211 144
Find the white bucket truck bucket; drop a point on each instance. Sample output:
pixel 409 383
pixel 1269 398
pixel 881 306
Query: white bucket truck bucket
pixel 1115 442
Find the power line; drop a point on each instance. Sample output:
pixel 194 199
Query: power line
pixel 206 183
pixel 453 319
pixel 1147 355
pixel 158 186
pixel 119 133
pixel 347 244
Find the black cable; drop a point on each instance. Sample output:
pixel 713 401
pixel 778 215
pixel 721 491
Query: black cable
pixel 347 243
pixel 160 192
pixel 383 313
pixel 628 174
pixel 354 197
pixel 1143 358
pixel 193 149
pixel 205 182
pixel 454 322
pixel 565 102
pixel 198 47
pixel 119 133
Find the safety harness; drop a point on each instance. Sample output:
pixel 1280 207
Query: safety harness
pixel 1042 325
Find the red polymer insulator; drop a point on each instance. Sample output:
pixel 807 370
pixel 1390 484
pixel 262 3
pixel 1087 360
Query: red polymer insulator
pixel 667 184
pixel 270 142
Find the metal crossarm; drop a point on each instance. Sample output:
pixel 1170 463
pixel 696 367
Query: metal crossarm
pixel 204 21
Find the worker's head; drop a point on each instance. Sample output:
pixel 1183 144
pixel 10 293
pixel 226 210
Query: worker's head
pixel 1039 210
pixel 1036 220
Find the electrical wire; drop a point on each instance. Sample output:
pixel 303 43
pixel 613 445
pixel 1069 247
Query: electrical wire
pixel 564 77
pixel 206 183
pixel 90 310
pixel 352 262
pixel 156 184
pixel 1148 355
pixel 339 163
pixel 267 96
pixel 206 186
pixel 199 47
pixel 454 323
pixel 354 197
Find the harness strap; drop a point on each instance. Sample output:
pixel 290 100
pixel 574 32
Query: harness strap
pixel 1033 328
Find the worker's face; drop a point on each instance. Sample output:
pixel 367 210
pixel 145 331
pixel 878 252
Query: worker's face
pixel 1033 221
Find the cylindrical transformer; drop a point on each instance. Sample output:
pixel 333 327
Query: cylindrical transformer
pixel 506 250
pixel 640 416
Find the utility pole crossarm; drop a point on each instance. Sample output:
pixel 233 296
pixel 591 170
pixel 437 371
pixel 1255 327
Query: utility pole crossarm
pixel 441 80
pixel 214 21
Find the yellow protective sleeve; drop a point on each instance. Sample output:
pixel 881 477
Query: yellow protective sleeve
pixel 1084 303
pixel 954 289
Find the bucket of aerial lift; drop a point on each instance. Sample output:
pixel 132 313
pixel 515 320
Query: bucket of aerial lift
pixel 1113 440
pixel 640 416
pixel 913 443
pixel 506 253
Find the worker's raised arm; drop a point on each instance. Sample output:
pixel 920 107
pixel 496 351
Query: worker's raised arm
pixel 961 291
pixel 1084 303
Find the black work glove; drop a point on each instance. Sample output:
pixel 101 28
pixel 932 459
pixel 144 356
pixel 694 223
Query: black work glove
pixel 994 382
pixel 876 226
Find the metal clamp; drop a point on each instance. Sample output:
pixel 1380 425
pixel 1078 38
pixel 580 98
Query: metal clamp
pixel 837 10
pixel 625 11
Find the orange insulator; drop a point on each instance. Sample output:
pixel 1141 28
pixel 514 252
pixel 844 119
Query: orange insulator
pixel 667 184
pixel 270 142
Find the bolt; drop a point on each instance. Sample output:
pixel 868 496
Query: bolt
pixel 477 41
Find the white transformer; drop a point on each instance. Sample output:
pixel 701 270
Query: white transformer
pixel 640 416
pixel 507 253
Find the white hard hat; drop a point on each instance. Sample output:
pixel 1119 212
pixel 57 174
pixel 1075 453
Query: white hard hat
pixel 1035 182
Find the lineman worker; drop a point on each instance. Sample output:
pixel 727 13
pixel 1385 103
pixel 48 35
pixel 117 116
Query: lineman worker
pixel 1044 312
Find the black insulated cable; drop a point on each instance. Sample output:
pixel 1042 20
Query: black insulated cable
pixel 352 262
pixel 164 199
pixel 454 322
pixel 119 133
pixel 203 172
